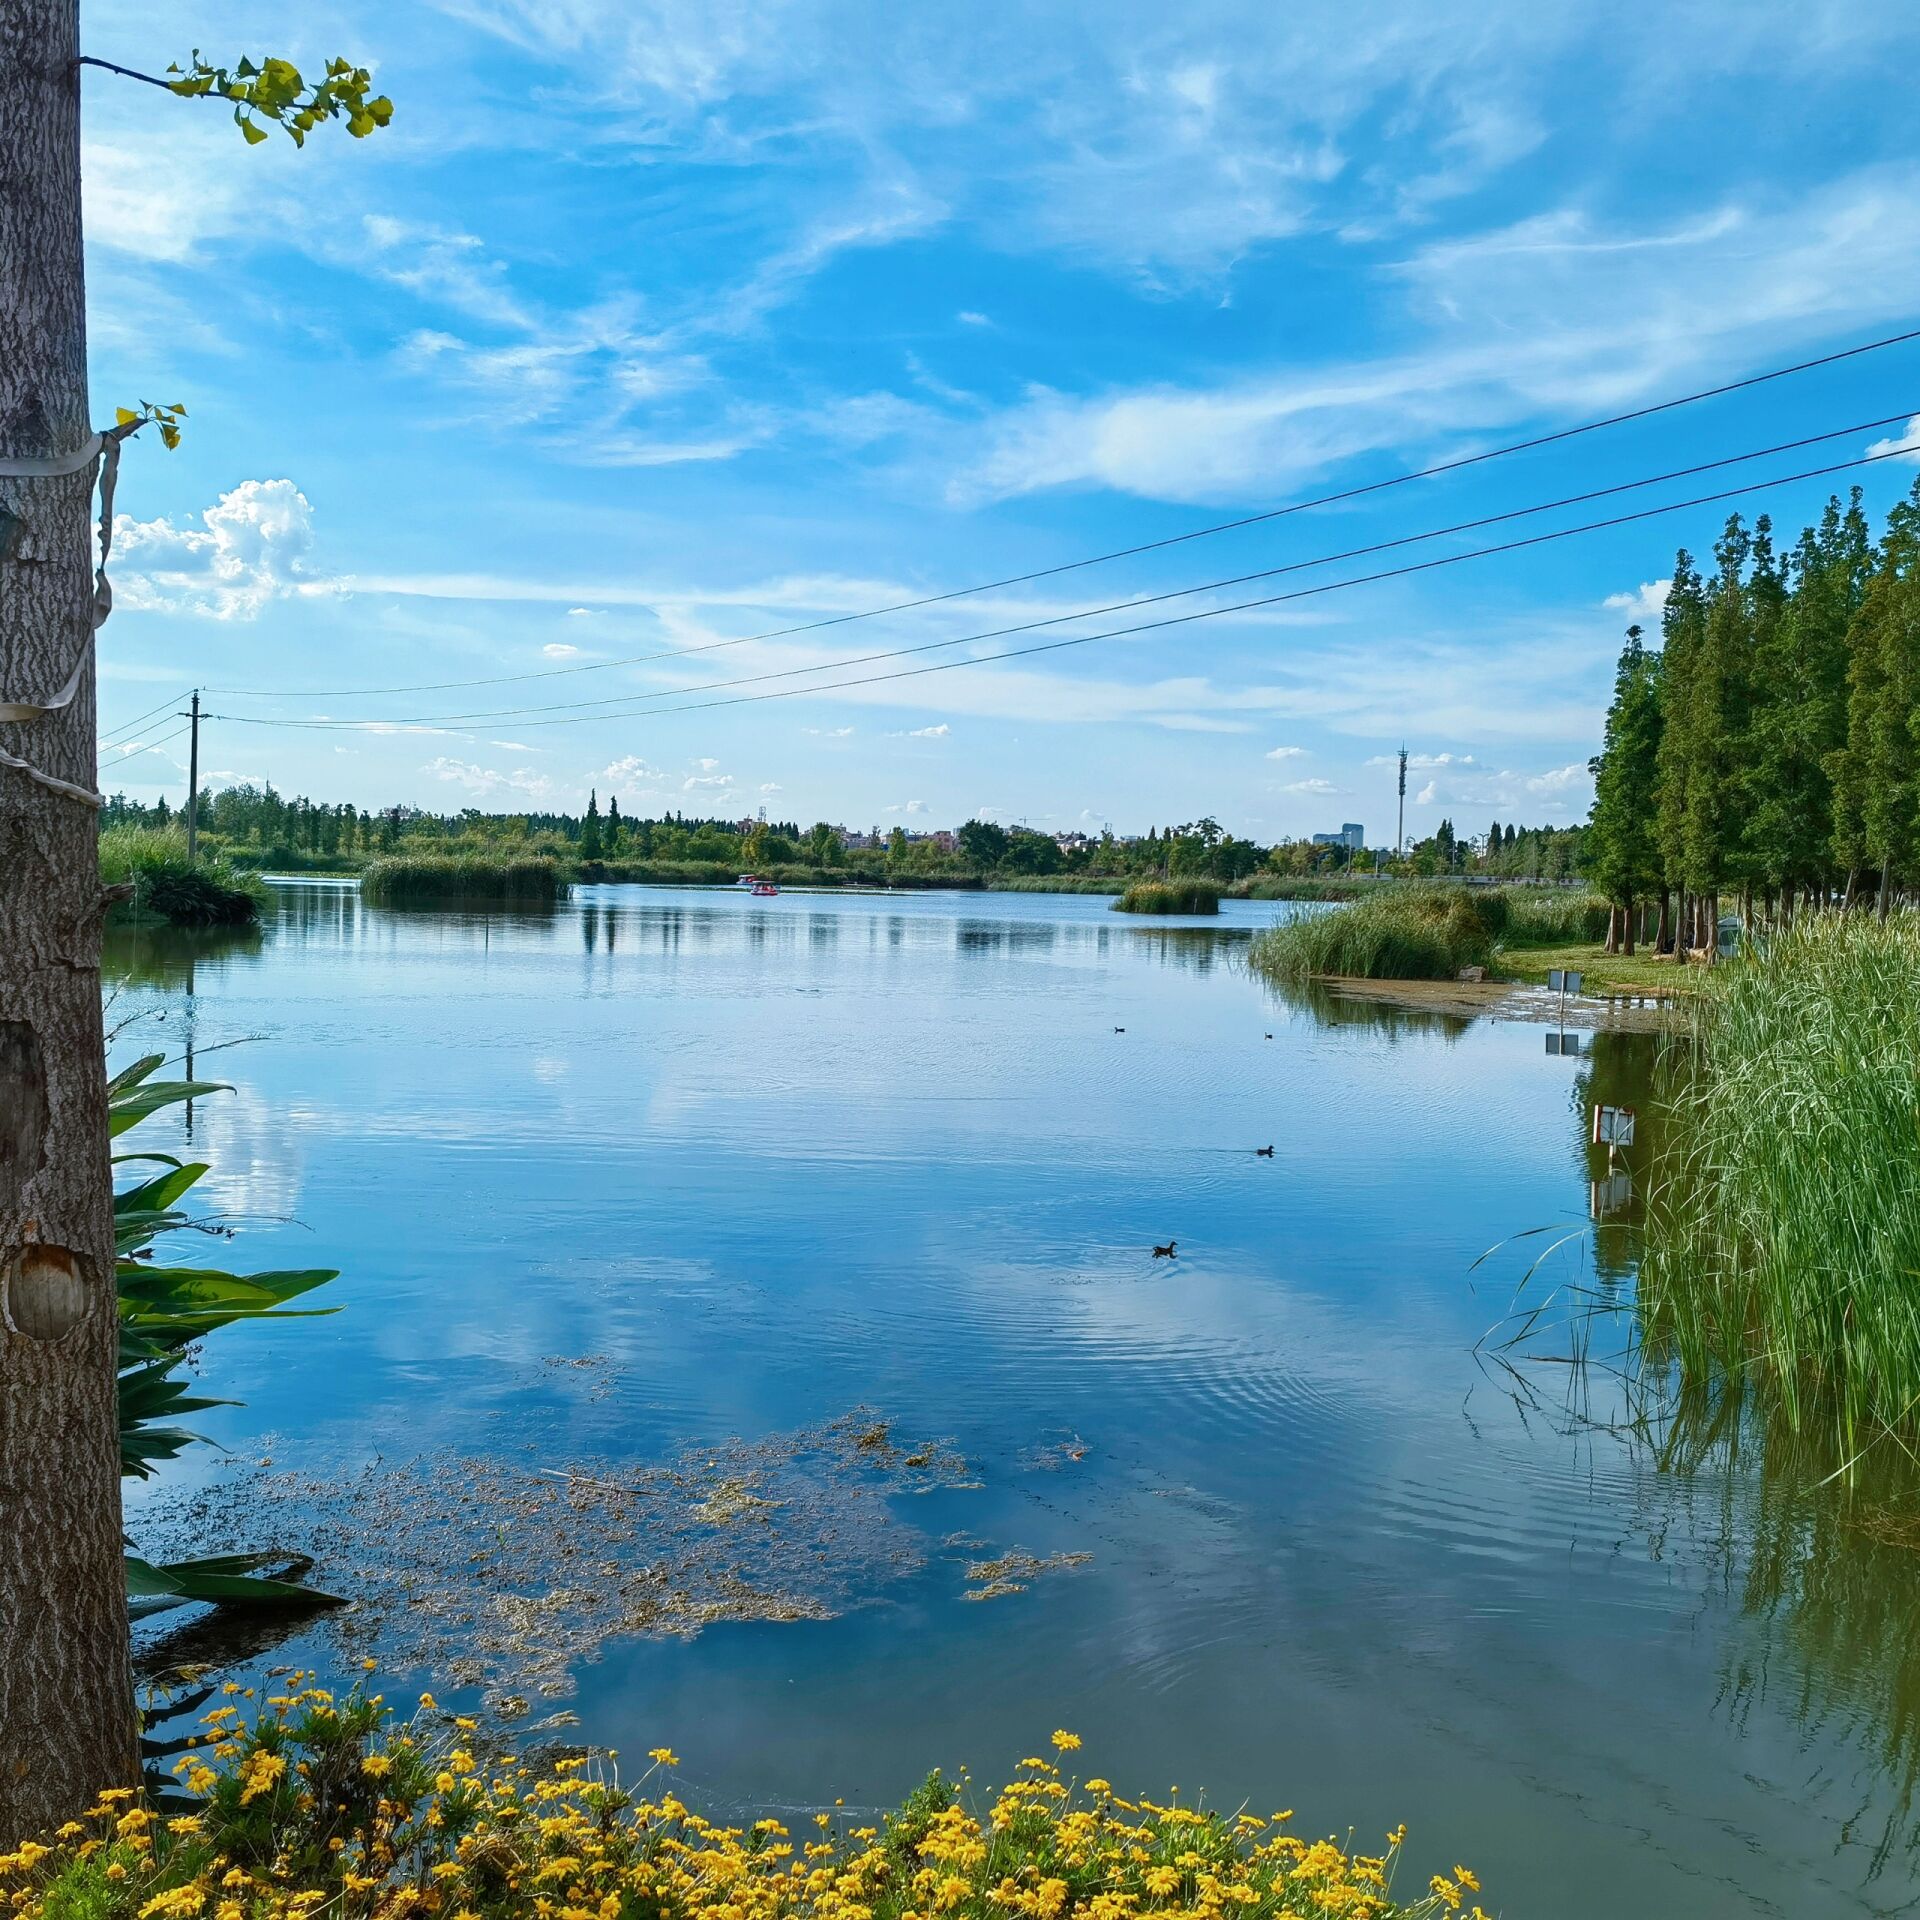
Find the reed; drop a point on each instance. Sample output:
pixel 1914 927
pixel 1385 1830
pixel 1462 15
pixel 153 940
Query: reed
pixel 168 886
pixel 1783 1233
pixel 410 881
pixel 1413 933
pixel 1170 896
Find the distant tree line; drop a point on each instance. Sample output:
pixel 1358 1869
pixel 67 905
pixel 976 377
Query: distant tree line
pixel 1769 752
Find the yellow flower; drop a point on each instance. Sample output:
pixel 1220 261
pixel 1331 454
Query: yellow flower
pixel 1065 1741
pixel 262 1772
pixel 663 1756
pixel 376 1766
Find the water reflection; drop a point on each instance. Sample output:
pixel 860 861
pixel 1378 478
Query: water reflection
pixel 699 1167
pixel 171 957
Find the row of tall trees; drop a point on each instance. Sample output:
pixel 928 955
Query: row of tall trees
pixel 1769 752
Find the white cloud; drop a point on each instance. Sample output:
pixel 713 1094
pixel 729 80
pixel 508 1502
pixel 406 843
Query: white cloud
pixel 162 199
pixel 448 267
pixel 250 548
pixel 522 781
pixel 1906 447
pixel 513 746
pixel 1285 753
pixel 968 318
pixel 559 650
pixel 580 613
pixel 706 765
pixel 1425 797
pixel 908 806
pixel 830 733
pixel 697 782
pixel 1649 599
pixel 1314 786
pixel 629 767
pixel 1553 317
pixel 930 733
pixel 771 786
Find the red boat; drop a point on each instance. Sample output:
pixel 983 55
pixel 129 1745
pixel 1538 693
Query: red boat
pixel 764 889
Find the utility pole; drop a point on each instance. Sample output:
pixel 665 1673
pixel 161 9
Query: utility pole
pixel 1400 836
pixel 193 784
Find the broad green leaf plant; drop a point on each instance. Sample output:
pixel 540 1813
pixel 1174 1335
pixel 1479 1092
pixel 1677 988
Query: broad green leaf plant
pixel 165 1311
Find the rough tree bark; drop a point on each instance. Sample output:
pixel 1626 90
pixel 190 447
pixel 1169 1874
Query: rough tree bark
pixel 66 1698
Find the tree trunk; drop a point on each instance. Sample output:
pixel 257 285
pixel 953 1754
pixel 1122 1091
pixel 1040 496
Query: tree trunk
pixel 1886 889
pixel 1626 927
pixel 1613 931
pixel 1663 933
pixel 66 1693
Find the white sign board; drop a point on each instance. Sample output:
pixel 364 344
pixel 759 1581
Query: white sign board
pixel 1558 982
pixel 1613 1126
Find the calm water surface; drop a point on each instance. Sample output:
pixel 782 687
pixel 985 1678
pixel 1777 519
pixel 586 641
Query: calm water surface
pixel 765 1162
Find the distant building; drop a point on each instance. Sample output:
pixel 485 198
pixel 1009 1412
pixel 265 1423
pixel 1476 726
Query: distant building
pixel 1352 834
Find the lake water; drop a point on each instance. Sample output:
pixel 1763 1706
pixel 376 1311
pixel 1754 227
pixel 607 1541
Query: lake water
pixel 655 1189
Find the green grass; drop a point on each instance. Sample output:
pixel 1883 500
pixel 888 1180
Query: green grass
pixel 1307 886
pixel 1170 896
pixel 1783 1235
pixel 405 881
pixel 1412 933
pixel 166 886
pixel 1635 973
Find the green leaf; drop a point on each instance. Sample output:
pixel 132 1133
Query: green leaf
pixel 128 1110
pixel 223 1578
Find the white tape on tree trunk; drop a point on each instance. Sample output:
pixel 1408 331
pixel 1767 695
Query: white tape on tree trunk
pixel 104 447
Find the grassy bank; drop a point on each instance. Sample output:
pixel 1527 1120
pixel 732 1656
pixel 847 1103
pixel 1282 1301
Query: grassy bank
pixel 1311 886
pixel 1643 972
pixel 410 882
pixel 1783 1235
pixel 1412 932
pixel 326 1806
pixel 1170 896
pixel 167 886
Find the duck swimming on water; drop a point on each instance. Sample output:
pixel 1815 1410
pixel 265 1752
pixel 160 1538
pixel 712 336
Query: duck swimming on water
pixel 1166 1252
pixel 1263 1153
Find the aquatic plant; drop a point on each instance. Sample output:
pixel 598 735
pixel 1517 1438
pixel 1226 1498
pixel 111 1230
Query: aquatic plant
pixel 332 1805
pixel 1783 1231
pixel 1412 933
pixel 167 885
pixel 408 880
pixel 1170 896
pixel 1407 931
pixel 165 1311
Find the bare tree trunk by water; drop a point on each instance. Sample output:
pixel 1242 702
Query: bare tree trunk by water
pixel 66 1695
pixel 1626 927
pixel 1663 934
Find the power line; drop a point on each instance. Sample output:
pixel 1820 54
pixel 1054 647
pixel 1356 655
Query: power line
pixel 626 701
pixel 1205 613
pixel 126 729
pixel 1102 559
pixel 151 746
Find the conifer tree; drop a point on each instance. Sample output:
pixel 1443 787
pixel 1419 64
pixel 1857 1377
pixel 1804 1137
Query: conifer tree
pixel 1623 846
pixel 590 847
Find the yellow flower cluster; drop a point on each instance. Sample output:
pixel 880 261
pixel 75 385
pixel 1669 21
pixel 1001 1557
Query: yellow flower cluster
pixel 326 1810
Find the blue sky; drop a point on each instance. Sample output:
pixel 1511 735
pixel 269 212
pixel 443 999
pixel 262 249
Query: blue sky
pixel 647 326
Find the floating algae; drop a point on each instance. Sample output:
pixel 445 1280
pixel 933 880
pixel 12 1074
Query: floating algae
pixel 503 1576
pixel 1014 1571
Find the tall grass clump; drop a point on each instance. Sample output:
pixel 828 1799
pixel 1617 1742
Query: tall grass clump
pixel 1783 1234
pixel 407 880
pixel 1543 916
pixel 1426 933
pixel 168 886
pixel 1170 896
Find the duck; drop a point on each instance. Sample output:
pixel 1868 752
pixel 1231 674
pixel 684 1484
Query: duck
pixel 1166 1252
pixel 1263 1153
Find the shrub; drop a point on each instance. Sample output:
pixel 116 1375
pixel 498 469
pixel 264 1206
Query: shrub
pixel 327 1807
pixel 1170 896
pixel 209 893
